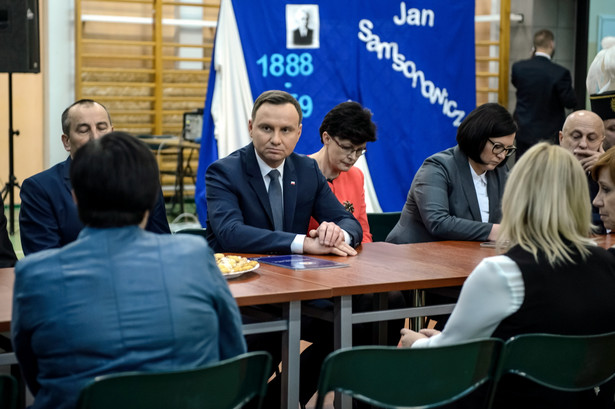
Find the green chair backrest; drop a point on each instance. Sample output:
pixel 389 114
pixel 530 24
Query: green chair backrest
pixel 381 224
pixel 8 392
pixel 227 384
pixel 390 377
pixel 562 362
pixel 196 231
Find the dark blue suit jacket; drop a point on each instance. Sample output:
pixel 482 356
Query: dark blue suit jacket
pixel 48 217
pixel 239 215
pixel 544 89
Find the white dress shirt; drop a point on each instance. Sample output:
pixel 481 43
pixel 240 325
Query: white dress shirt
pixel 480 185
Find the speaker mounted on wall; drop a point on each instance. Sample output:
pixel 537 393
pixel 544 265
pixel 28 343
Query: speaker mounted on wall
pixel 19 37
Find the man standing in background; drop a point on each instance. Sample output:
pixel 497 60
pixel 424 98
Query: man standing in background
pixel 544 90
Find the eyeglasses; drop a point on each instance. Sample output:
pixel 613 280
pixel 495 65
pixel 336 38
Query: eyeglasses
pixel 349 150
pixel 499 148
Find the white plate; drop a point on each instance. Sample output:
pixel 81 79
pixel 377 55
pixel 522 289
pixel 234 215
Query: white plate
pixel 240 273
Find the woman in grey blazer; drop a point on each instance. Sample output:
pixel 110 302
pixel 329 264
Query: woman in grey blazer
pixel 457 193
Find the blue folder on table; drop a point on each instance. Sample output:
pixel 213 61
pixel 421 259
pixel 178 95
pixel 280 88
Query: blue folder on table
pixel 299 262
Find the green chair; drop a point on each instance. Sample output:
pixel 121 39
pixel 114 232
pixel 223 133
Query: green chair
pixel 8 392
pixel 562 362
pixel 196 231
pixel 390 377
pixel 381 224
pixel 226 384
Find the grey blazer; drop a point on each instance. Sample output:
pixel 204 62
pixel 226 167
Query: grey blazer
pixel 442 203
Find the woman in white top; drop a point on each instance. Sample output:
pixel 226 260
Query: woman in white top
pixel 551 279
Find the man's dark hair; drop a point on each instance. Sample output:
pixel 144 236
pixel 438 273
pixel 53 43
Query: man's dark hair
pixel 115 179
pixel 489 120
pixel 349 121
pixel 276 98
pixel 543 39
pixel 85 101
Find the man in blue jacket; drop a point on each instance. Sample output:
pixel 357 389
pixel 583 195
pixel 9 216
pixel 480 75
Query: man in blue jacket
pixel 48 215
pixel 244 216
pixel 241 216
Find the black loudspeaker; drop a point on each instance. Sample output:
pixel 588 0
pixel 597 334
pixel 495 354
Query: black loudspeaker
pixel 19 40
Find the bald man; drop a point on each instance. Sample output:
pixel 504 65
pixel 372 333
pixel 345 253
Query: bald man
pixel 583 134
pixel 48 217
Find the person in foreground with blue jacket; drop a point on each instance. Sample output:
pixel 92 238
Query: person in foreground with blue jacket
pixel 119 298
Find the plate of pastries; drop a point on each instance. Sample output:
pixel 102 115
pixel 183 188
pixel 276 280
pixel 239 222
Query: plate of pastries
pixel 234 266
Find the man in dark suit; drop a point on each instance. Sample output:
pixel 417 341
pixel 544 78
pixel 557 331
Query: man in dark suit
pixel 544 89
pixel 48 216
pixel 240 217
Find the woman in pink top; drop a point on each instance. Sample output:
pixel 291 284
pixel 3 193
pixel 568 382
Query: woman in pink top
pixel 344 132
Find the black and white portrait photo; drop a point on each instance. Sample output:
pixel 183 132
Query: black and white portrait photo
pixel 302 26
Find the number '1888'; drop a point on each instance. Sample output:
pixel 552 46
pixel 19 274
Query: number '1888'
pixel 291 65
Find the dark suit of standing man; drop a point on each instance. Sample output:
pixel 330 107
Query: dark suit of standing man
pixel 544 90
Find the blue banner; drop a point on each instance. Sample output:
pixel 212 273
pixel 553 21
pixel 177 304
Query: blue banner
pixel 412 63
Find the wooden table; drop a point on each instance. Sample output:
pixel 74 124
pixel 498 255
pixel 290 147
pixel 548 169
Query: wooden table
pixel 7 279
pixel 6 298
pixel 379 267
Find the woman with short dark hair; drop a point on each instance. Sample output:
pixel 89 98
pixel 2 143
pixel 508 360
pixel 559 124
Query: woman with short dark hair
pixel 344 133
pixel 457 193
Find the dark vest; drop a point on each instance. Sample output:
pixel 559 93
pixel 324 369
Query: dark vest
pixel 570 299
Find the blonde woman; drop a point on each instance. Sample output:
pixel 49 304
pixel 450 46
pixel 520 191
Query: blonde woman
pixel 551 279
